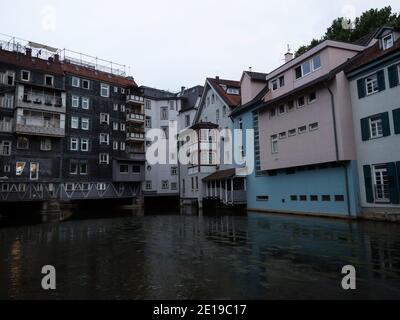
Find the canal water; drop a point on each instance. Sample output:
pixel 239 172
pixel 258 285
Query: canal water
pixel 128 254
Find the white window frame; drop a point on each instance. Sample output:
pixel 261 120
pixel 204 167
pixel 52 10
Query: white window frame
pixel 115 145
pixel 52 80
pixel 381 170
pixel 2 148
pixel 122 146
pixel 373 81
pixel 313 126
pixel 302 130
pixel 104 138
pixel 76 82
pixel 274 144
pixel 106 87
pixel 123 108
pixel 385 44
pixel 29 75
pixel 44 145
pixel 75 99
pixel 284 109
pixel 104 158
pixel 148 185
pixel 85 124
pixel 86 81
pixel 85 145
pixel 31 164
pixel 127 168
pixel 375 123
pixel 74 122
pixel 122 126
pixel 165 185
pixel 115 106
pixel 309 100
pixel 274 84
pixel 298 104
pixel 85 103
pixel 115 126
pixel 80 169
pixel 74 141
pixel 104 118
pixel 101 186
pixel 292 132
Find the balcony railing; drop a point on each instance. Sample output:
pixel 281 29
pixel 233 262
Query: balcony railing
pixel 135 99
pixel 134 136
pixel 5 126
pixel 45 99
pixel 137 117
pixel 40 126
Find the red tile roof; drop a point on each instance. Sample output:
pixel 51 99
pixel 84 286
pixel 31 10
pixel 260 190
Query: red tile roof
pixel 232 100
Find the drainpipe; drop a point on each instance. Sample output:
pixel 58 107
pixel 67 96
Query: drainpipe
pixel 337 148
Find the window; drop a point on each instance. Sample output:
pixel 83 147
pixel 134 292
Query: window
pixel 165 184
pixel 123 127
pixel 25 75
pixel 7 168
pixel 387 41
pixel 76 82
pixel 376 128
pixel 85 123
pixel 313 126
pixel 75 101
pixel 34 171
pixel 234 91
pixel 172 105
pixel 281 81
pixel 282 109
pixel 23 143
pixel 187 120
pixel 115 126
pixel 308 67
pixel 381 183
pixel 148 122
pixel 290 106
pixel 217 115
pixel 48 80
pixel 73 168
pixel 136 169
pixel 122 108
pixel 85 145
pixel 174 186
pixel 339 198
pixel 274 144
pixel 123 169
pixel 104 158
pixel 85 103
pixel 101 186
pixel 164 113
pixel 293 198
pixel 122 146
pixel 371 84
pixel 275 84
pixel 86 84
pixel 83 169
pixel 104 118
pixel 302 129
pixel 312 97
pixel 45 144
pixel 165 129
pixel 292 132
pixel 303 198
pixel 314 198
pixel 104 138
pixel 115 145
pixel 115 106
pixel 147 104
pixel 122 91
pixel 74 144
pixel 104 90
pixel 115 89
pixel 326 198
pixel 272 113
pixel 74 122
pixel 148 185
pixel 300 102
pixel 282 135
pixel 174 171
pixel 262 198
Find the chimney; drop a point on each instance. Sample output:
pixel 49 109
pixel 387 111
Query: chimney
pixel 28 52
pixel 51 59
pixel 57 57
pixel 217 78
pixel 182 89
pixel 288 55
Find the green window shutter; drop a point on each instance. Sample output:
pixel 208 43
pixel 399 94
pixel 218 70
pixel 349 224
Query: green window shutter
pixel 361 88
pixel 393 187
pixel 396 121
pixel 385 124
pixel 365 132
pixel 393 76
pixel 368 184
pixel 381 80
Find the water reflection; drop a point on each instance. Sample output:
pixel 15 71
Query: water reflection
pixel 127 255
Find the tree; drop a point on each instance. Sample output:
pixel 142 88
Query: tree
pixel 369 21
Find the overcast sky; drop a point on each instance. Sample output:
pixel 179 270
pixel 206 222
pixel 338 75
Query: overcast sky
pixel 174 43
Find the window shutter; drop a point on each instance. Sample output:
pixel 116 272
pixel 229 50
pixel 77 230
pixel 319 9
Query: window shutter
pixel 393 187
pixel 381 80
pixel 368 184
pixel 361 88
pixel 365 134
pixel 396 121
pixel 385 124
pixel 393 76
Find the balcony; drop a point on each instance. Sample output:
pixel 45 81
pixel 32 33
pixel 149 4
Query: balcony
pixel 42 124
pixel 134 99
pixel 135 136
pixel 137 156
pixel 135 117
pixel 40 100
pixel 5 126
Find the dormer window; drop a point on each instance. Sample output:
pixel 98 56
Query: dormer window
pixel 232 91
pixel 387 41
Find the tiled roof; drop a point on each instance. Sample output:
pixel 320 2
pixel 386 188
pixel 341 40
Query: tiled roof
pixel 190 97
pixel 97 75
pixel 232 100
pixel 369 55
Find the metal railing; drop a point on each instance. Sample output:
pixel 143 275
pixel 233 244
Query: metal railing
pixel 135 136
pixel 135 116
